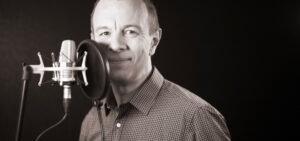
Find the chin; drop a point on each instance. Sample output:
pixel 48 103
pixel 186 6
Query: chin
pixel 120 76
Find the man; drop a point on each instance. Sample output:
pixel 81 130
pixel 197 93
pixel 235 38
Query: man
pixel 142 104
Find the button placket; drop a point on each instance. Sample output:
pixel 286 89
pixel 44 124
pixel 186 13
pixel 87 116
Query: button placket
pixel 116 128
pixel 119 122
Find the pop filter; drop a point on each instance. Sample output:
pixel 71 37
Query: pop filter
pixel 98 70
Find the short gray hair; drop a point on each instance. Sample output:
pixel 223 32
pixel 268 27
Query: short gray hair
pixel 152 19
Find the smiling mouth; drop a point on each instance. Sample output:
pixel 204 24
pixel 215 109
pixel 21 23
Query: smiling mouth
pixel 118 60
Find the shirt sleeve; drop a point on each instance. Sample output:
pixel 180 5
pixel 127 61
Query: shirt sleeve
pixel 209 125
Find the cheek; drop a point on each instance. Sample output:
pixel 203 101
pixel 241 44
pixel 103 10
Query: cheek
pixel 140 48
pixel 143 54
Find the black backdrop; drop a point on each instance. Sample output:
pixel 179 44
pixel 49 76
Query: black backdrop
pixel 241 57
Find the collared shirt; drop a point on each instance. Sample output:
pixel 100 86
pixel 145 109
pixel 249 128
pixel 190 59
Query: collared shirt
pixel 160 110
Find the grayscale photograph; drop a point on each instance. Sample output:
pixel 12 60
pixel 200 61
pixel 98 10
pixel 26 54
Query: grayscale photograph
pixel 149 70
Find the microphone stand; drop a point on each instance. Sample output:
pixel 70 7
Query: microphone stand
pixel 25 77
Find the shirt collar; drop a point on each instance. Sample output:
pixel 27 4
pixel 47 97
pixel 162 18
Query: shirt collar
pixel 145 97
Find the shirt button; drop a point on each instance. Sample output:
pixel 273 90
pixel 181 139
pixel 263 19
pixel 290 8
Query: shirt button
pixel 118 125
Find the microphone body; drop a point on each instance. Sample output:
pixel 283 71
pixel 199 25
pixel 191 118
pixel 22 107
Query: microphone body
pixel 67 97
pixel 66 78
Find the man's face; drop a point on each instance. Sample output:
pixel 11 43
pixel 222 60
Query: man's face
pixel 123 25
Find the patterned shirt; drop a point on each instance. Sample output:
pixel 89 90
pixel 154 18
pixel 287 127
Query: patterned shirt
pixel 160 110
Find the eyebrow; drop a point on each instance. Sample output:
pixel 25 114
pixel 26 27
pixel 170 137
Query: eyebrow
pixel 131 25
pixel 127 26
pixel 101 27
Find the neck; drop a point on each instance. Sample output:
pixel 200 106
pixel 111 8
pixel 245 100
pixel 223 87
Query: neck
pixel 125 91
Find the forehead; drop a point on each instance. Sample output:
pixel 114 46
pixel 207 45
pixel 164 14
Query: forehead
pixel 120 10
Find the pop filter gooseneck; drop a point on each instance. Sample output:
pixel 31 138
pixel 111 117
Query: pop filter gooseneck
pixel 98 70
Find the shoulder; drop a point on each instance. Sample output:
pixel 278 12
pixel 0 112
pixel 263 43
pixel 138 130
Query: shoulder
pixel 183 95
pixel 187 99
pixel 87 123
pixel 204 119
pixel 90 118
pixel 91 114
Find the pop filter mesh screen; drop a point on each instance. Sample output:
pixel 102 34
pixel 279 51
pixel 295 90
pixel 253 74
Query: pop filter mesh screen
pixel 97 72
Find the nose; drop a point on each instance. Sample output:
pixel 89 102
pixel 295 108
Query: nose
pixel 117 43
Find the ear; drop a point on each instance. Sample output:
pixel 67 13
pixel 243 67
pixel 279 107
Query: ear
pixel 92 35
pixel 156 36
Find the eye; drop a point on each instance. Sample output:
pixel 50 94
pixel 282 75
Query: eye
pixel 105 33
pixel 131 33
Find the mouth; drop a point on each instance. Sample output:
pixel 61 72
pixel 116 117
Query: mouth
pixel 118 60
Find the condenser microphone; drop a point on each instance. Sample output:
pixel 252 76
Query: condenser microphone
pixel 67 59
pixel 65 73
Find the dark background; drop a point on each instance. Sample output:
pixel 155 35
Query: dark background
pixel 241 57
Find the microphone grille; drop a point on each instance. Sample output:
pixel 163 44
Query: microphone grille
pixel 67 51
